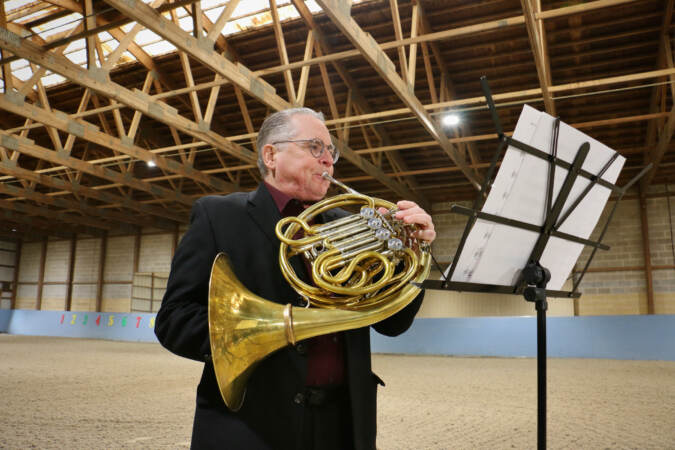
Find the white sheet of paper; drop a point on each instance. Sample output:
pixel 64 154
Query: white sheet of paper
pixel 495 253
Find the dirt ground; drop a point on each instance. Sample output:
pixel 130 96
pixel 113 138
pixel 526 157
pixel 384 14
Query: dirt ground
pixel 84 394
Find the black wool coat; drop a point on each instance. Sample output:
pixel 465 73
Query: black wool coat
pixel 242 226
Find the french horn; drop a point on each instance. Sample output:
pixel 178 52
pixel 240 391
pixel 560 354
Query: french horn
pixel 365 266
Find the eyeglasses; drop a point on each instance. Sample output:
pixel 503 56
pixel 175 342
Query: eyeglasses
pixel 315 147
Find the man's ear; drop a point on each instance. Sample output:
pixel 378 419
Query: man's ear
pixel 269 157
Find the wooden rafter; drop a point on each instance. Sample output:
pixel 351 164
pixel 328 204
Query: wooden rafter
pixel 538 43
pixel 238 74
pixel 355 94
pixel 383 65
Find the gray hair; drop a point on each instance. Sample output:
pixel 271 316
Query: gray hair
pixel 278 127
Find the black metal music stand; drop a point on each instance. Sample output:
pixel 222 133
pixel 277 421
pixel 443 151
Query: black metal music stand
pixel 533 277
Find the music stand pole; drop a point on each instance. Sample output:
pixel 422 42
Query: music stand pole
pixel 536 277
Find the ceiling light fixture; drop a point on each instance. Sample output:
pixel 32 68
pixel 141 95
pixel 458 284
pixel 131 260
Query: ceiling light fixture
pixel 450 119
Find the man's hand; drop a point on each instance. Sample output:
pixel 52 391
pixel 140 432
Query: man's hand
pixel 410 212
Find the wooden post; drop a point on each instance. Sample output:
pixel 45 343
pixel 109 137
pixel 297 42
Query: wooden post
pixel 15 280
pixel 41 274
pixel 101 269
pixel 137 251
pixel 646 252
pixel 71 270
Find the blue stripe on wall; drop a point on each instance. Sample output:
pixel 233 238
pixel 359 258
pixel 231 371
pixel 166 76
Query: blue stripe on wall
pixel 5 316
pixel 84 324
pixel 614 337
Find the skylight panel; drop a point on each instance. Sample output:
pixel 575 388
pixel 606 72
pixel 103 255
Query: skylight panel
pixel 159 48
pixel 18 64
pixel 23 74
pixel 104 36
pixel 186 23
pixel 58 25
pixel 210 4
pixel 52 79
pixel 78 57
pixel 214 13
pixel 36 14
pixel 75 46
pixel 11 5
pixel 146 36
pixel 127 27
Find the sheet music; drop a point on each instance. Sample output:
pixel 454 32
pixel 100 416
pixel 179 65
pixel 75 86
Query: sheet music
pixel 495 253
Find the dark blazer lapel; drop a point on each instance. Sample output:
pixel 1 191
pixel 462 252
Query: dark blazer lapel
pixel 263 211
pixel 265 214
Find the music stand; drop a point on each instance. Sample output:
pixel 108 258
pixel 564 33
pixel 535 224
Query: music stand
pixel 533 278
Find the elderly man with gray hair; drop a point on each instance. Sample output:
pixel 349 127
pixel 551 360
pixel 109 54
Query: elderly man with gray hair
pixel 319 393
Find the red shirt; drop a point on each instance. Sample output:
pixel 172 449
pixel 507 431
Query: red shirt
pixel 325 353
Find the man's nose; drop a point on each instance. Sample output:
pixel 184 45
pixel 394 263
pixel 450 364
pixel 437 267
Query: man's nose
pixel 326 158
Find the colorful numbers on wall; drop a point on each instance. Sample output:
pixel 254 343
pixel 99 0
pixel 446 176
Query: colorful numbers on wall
pixel 108 320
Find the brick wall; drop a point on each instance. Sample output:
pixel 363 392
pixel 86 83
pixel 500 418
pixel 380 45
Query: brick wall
pixel 154 256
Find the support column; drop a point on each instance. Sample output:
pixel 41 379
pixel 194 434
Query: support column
pixel 137 251
pixel 15 280
pixel 41 274
pixel 71 270
pixel 646 251
pixel 101 269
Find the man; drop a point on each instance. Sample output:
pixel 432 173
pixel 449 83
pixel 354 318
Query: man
pixel 320 393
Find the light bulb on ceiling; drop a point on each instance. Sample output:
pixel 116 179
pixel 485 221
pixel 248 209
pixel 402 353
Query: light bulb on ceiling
pixel 151 163
pixel 450 120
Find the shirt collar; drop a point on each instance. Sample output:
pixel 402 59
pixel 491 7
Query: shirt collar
pixel 281 199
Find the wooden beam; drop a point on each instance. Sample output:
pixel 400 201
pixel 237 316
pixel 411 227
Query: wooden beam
pixel 131 222
pixel 90 24
pixel 412 58
pixel 12 169
pixel 88 132
pixel 100 83
pixel 656 155
pixel 101 273
pixel 7 76
pixel 222 20
pixel 58 215
pixel 355 95
pixel 71 270
pixel 237 74
pixel 137 250
pixel 646 253
pixel 665 59
pixel 538 45
pixel 398 34
pixel 187 70
pixel 304 72
pixel 497 24
pixel 27 147
pixel 383 65
pixel 109 217
pixel 447 87
pixel 41 273
pixel 15 278
pixel 46 227
pixel 281 48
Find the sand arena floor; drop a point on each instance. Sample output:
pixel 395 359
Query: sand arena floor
pixel 84 394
